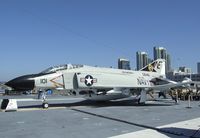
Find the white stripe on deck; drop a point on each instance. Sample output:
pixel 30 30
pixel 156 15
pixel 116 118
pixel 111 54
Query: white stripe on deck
pixel 39 109
pixel 193 124
pixel 55 99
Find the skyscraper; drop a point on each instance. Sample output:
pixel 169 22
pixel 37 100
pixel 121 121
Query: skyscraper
pixel 142 59
pixel 161 52
pixel 168 63
pixel 123 64
pixel 198 67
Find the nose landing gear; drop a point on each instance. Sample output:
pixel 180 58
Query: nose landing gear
pixel 42 95
pixel 45 105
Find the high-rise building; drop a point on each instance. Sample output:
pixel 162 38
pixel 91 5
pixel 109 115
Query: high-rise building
pixel 124 64
pixel 161 52
pixel 168 63
pixel 198 67
pixel 142 59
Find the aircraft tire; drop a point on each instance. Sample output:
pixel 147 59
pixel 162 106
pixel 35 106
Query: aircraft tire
pixel 45 105
pixel 143 103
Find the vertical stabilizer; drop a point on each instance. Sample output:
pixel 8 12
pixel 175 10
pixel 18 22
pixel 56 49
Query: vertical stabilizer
pixel 156 66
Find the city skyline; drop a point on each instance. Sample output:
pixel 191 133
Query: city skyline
pixel 142 58
pixel 38 34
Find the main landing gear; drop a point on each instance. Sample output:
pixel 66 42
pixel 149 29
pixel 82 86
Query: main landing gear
pixel 142 98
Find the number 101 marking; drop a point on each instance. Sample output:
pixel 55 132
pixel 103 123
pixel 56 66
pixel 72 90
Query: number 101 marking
pixel 43 81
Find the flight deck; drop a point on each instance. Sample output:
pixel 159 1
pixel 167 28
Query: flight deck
pixel 76 117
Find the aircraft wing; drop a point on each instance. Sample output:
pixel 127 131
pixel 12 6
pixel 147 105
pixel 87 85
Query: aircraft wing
pixel 174 85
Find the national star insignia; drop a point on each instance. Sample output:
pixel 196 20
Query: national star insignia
pixel 89 80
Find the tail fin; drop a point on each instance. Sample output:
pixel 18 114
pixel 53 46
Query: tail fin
pixel 156 66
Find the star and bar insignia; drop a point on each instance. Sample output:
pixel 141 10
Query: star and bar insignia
pixel 88 80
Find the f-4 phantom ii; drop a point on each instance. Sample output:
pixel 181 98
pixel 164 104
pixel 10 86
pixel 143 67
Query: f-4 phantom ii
pixel 97 83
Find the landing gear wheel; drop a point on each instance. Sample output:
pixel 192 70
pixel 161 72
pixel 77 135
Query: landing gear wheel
pixel 143 103
pixel 45 105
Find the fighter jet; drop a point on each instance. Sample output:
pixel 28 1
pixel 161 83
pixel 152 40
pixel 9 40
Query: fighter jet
pixel 97 83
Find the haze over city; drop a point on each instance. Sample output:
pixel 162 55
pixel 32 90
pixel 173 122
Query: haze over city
pixel 38 34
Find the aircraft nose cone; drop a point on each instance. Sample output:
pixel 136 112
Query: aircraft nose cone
pixel 22 83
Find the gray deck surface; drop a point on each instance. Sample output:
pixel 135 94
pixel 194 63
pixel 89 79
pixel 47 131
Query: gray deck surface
pixel 106 119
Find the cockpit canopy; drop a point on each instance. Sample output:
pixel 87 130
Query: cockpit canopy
pixel 61 67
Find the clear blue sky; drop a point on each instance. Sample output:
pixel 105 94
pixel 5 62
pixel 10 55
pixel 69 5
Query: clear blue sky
pixel 36 34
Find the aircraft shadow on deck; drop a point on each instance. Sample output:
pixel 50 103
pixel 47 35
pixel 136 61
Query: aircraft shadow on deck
pixel 95 104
